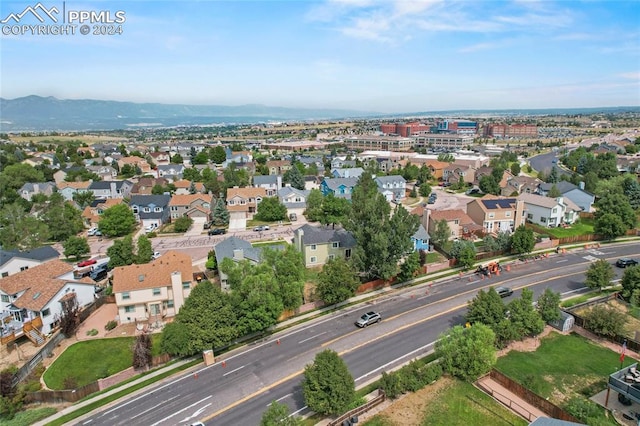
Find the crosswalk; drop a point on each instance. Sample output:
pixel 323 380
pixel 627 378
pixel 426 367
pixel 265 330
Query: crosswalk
pixel 592 256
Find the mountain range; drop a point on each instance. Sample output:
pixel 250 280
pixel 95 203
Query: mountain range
pixel 36 113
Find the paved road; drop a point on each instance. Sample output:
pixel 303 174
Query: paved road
pixel 238 391
pixel 544 163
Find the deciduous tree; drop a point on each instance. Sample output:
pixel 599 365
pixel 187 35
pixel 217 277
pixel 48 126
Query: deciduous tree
pixel 599 274
pixel 271 209
pixel 278 415
pixel 144 253
pixel 76 247
pixel 328 387
pixel 486 308
pixel 630 281
pixel 182 224
pixel 314 206
pixel 522 240
pixel 464 252
pixel 467 353
pixel 548 306
pixel 121 252
pixel 337 281
pixel 117 221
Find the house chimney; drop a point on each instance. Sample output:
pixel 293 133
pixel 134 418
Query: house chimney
pixel 581 185
pixel 279 182
pixel 238 254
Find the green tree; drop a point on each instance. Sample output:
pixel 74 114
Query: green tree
pixel 599 274
pixel 425 190
pixel 192 174
pixel 515 168
pixel 76 247
pixel 522 240
pixel 605 321
pixel 144 253
pixel 200 158
pixel 548 306
pixel 409 267
pixel 207 320
pixel 271 209
pixel 117 221
pixel 62 218
pixel 182 224
pixel 19 230
pixel 121 252
pixel 524 317
pixel 278 415
pixel 289 273
pixel 489 185
pixel 158 189
pixel 467 353
pixel 631 189
pixel 220 213
pixel 128 171
pixel 486 308
pixel 630 281
pixel 177 159
pixel 441 234
pixel 83 198
pixel 218 154
pixel 553 176
pixel 294 177
pixel 337 281
pixel 328 387
pixel 609 225
pixel 334 210
pixel 314 206
pixel 464 251
pixel 618 204
pixel 554 192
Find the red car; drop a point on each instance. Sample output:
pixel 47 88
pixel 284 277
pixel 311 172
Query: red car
pixel 87 262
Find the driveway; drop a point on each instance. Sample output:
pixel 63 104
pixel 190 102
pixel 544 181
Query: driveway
pixel 197 228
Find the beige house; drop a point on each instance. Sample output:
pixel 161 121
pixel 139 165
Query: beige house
pixel 278 167
pixel 497 214
pixel 460 224
pixel 183 187
pixel 191 205
pixel 153 291
pixel 135 162
pixel 242 204
pixel 318 244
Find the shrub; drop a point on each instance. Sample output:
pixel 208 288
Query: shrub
pixel 182 224
pixel 390 384
pixel 583 409
pixel 152 234
pixel 111 325
pixel 92 332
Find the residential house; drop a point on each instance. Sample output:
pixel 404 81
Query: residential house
pixel 144 185
pixel 349 172
pixel 151 209
pixel 242 204
pixel 92 213
pixel 295 200
pixel 32 301
pixel 341 162
pixel 453 172
pixel 582 198
pixel 184 187
pixel 152 292
pixel 628 164
pixel 550 212
pixel 481 172
pixel 171 171
pixel 278 167
pixel 496 214
pixel 111 189
pixel 420 239
pixel 393 187
pixel 316 161
pixel 104 172
pixel 68 189
pixel 519 185
pixel 135 162
pixel 237 250
pixel 319 244
pixel 190 205
pixel 339 187
pixel 271 183
pixel 30 189
pixel 160 158
pixel 61 175
pixel 460 224
pixel 239 159
pixel 14 261
pixel 436 168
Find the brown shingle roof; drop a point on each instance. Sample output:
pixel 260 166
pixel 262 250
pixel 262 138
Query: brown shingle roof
pixel 447 215
pixel 154 274
pixel 248 192
pixel 33 276
pixel 188 199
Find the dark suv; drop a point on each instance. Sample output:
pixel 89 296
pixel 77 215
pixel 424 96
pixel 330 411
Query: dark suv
pixel 625 261
pixel 217 231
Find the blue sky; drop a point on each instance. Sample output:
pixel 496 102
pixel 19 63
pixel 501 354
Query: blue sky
pixel 391 56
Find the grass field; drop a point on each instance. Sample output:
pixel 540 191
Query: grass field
pixel 85 362
pixel 583 227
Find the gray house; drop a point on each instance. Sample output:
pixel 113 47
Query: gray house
pixel 111 189
pixel 578 195
pixel 236 250
pixel 319 244
pixel 392 187
pixel 30 189
pixel 151 209
pixel 271 183
pixel 14 261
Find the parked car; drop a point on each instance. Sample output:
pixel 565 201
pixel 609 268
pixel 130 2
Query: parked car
pixel 156 254
pixel 207 225
pixel 87 262
pixel 92 231
pixel 98 274
pixel 261 228
pixel 217 231
pixel 625 261
pixel 368 319
pixel 293 217
pixel 504 291
pixel 473 191
pixel 150 228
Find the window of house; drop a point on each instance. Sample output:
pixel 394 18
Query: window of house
pixel 529 216
pixel 347 253
pixel 543 219
pixel 126 295
pixel 135 209
pixel 156 292
pixel 313 259
pixel 4 298
pixel 507 214
pixel 313 246
pixel 157 209
pixel 335 244
pixel 170 303
pixel 129 309
pixel 491 215
pixel 330 257
pixel 456 222
pixel 555 210
pixel 147 209
pixel 186 286
pixel 46 312
pixel 24 268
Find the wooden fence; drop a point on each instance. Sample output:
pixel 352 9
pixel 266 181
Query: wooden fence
pixel 532 398
pixel 44 352
pixel 353 414
pixel 59 396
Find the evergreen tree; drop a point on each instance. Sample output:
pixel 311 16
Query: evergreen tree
pixel 294 177
pixel 220 213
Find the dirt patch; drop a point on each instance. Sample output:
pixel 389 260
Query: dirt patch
pixel 530 344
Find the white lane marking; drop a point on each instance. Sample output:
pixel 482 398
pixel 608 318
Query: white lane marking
pixel 154 407
pixel 180 411
pixel 395 360
pixel 560 261
pixel 280 399
pixel 312 337
pixel 296 412
pixel 194 415
pixel 233 371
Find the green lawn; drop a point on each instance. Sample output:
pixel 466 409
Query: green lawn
pixel 583 227
pixel 563 367
pixel 88 361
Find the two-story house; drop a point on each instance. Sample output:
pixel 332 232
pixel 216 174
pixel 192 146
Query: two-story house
pixel 550 212
pixel 354 172
pixel 420 239
pixel 111 189
pixel 184 187
pixel 460 224
pixel 342 162
pixel 454 172
pixel 278 167
pixel 392 187
pixel 582 198
pixel 104 172
pixel 237 250
pixel 30 189
pixel 319 244
pixel 68 189
pixel 136 163
pixel 496 214
pixel 339 187
pixel 151 209
pixel 144 185
pixel 242 204
pixel 171 171
pixel 14 261
pixel 295 200
pixel 93 212
pixel 271 183
pixel 519 185
pixel 160 158
pixel 151 292
pixel 190 205
pixel 32 301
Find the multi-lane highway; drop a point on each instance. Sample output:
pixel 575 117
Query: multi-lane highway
pixel 238 388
